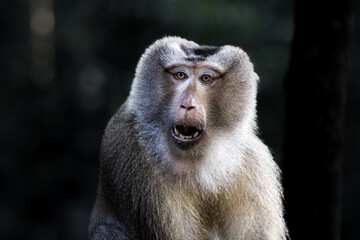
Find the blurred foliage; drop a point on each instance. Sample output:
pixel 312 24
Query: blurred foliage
pixel 51 128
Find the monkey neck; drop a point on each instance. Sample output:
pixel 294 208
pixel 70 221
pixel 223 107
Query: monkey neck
pixel 209 165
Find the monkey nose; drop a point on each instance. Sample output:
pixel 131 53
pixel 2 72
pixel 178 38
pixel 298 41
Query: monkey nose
pixel 187 107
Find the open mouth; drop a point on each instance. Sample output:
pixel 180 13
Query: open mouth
pixel 186 133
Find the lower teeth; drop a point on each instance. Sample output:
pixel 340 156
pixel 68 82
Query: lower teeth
pixel 178 134
pixel 185 137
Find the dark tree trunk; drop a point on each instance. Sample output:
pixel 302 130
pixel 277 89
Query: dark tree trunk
pixel 315 106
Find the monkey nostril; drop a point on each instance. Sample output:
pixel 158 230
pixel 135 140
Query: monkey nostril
pixel 188 108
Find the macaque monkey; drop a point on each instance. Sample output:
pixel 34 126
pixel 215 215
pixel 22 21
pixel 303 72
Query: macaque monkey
pixel 180 160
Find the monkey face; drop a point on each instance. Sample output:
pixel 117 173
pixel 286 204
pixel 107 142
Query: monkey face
pixel 190 84
pixel 184 94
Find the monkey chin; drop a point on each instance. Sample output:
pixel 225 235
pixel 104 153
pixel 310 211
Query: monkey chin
pixel 186 136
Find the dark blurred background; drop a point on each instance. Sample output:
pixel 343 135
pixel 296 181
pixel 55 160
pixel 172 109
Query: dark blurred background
pixel 66 66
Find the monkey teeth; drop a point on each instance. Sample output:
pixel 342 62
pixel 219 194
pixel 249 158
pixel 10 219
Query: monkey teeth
pixel 176 131
pixel 186 132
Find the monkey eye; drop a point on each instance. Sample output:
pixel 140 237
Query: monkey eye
pixel 180 75
pixel 206 78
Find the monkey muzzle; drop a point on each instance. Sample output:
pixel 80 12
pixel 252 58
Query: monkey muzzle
pixel 186 134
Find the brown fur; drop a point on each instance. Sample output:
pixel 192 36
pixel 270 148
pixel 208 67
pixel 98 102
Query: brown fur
pixel 226 186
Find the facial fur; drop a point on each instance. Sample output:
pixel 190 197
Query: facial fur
pixel 221 104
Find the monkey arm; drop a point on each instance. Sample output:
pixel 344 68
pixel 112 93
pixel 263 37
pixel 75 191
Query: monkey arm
pixel 103 224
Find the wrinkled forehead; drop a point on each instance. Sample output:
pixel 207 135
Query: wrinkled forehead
pixel 192 55
pixel 199 53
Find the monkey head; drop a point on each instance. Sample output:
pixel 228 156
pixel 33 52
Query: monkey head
pixel 184 94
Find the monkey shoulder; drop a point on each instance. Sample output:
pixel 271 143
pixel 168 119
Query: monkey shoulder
pixel 121 157
pixel 121 174
pixel 120 141
pixel 258 165
pixel 257 151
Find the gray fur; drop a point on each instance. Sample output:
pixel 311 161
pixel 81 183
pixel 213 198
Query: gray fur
pixel 225 187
